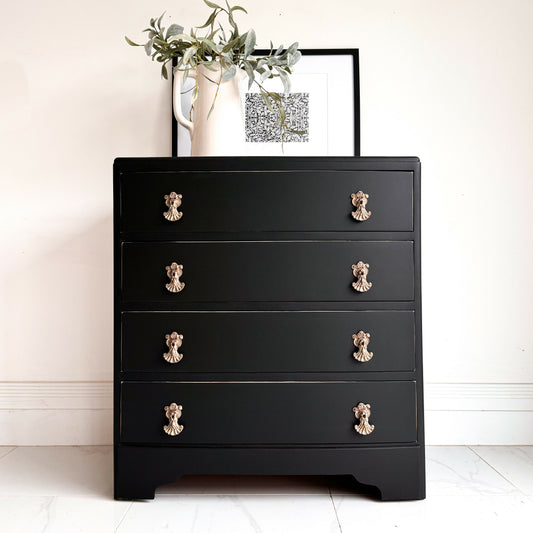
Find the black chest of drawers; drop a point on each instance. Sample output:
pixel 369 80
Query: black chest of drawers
pixel 268 320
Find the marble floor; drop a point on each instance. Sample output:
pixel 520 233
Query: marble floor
pixel 68 489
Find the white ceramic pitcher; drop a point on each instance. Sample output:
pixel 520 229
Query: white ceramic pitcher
pixel 223 132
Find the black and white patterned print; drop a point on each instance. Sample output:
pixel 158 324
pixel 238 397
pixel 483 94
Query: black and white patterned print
pixel 261 124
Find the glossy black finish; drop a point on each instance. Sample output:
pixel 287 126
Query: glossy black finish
pixel 259 341
pixel 269 361
pixel 268 271
pixel 268 413
pixel 314 200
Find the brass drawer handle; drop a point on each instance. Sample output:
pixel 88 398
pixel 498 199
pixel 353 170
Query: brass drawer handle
pixel 359 201
pixel 173 201
pixel 174 271
pixel 360 271
pixel 173 413
pixel 361 340
pixel 362 413
pixel 174 343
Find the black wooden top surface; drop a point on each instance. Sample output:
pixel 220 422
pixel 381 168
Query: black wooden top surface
pixel 169 164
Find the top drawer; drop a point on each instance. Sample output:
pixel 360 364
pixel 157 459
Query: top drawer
pixel 215 201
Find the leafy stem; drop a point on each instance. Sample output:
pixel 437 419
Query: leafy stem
pixel 228 53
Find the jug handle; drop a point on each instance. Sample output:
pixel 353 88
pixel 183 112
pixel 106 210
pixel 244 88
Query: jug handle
pixel 178 82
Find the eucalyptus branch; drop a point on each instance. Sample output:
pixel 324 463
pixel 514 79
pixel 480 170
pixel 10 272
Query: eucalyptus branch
pixel 236 52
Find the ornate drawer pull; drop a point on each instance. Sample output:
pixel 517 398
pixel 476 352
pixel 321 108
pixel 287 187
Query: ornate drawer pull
pixel 360 340
pixel 174 271
pixel 360 271
pixel 173 201
pixel 362 413
pixel 173 413
pixel 359 201
pixel 174 343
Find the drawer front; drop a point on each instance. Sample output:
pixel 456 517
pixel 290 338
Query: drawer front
pixel 268 413
pixel 268 271
pixel 266 201
pixel 290 341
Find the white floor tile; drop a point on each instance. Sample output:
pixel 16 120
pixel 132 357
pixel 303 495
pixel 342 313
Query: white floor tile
pixel 450 470
pixel 69 489
pixel 4 450
pixel 20 514
pixel 57 471
pixel 260 485
pixel 437 514
pixel 457 471
pixel 232 514
pixel 514 463
pixel 33 514
pixel 85 515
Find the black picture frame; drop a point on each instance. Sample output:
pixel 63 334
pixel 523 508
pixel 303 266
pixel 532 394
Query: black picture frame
pixel 353 52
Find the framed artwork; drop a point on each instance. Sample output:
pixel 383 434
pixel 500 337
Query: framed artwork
pixel 323 102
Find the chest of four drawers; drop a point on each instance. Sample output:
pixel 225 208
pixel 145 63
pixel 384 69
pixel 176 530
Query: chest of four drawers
pixel 240 320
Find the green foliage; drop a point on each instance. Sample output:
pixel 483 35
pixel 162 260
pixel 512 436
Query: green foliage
pixel 226 46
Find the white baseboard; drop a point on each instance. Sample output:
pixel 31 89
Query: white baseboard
pixel 478 396
pixel 56 395
pixel 80 413
pixel 56 427
pixel 56 413
pixel 483 428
